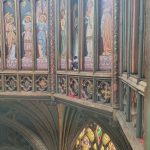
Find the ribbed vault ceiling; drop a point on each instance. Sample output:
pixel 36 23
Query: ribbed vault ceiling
pixel 46 125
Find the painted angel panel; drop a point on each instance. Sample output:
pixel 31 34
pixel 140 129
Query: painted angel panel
pixel 63 34
pixel 10 34
pixel 106 27
pixel 0 54
pixel 0 46
pixel 26 34
pixel 41 30
pixel 89 35
pixel 75 36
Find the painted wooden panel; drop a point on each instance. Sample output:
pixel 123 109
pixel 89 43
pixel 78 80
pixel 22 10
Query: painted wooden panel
pixel 106 37
pixel 88 51
pixel 0 44
pixel 10 34
pixel 74 29
pixel 63 34
pixel 26 34
pixel 41 33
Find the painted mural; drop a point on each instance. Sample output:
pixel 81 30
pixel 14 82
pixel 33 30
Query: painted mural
pixel 75 36
pixel 88 34
pixel 63 34
pixel 94 138
pixel 41 30
pixel 0 54
pixel 10 34
pixel 106 27
pixel 26 34
pixel 0 47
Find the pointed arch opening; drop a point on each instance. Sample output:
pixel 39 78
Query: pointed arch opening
pixel 94 137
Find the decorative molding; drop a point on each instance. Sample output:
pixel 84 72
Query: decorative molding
pixel 11 83
pixel 26 83
pixel 104 91
pixel 41 83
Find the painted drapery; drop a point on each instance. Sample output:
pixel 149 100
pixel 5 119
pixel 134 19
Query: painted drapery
pixel 105 59
pixel 75 35
pixel 41 30
pixel 10 34
pixel 26 34
pixel 63 34
pixel 89 34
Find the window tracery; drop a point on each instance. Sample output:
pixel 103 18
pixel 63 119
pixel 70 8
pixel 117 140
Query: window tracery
pixel 93 137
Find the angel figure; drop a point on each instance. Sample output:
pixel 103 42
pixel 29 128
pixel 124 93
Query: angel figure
pixel 10 35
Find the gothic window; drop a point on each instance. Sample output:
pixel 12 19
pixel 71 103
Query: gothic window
pixel 93 137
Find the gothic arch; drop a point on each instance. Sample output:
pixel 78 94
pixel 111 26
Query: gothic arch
pixel 94 136
pixel 8 148
pixel 81 119
pixel 35 142
pixel 114 133
pixel 40 122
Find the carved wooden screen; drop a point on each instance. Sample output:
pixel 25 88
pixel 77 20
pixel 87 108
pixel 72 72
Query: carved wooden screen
pixel 84 49
pixel 26 45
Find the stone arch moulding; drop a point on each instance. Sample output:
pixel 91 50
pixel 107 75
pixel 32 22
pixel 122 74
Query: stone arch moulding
pixel 8 148
pixel 35 142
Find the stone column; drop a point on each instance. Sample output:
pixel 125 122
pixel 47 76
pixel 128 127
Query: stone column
pixel 115 67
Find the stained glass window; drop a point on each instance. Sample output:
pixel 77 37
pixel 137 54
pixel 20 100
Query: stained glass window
pixel 93 137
